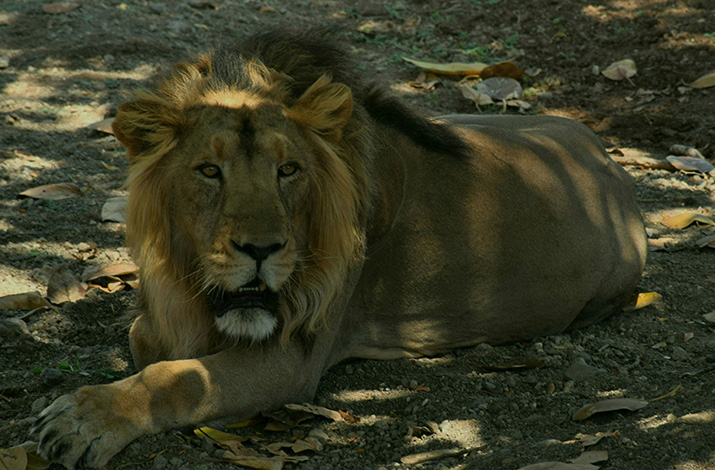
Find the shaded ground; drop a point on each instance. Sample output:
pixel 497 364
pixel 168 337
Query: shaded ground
pixel 68 70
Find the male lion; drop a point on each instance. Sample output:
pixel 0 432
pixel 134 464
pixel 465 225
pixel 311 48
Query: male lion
pixel 286 217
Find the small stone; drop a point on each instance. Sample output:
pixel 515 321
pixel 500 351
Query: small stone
pixel 51 377
pixel 679 354
pixel 38 405
pixel 349 370
pixel 159 463
pixel 579 370
pixel 12 329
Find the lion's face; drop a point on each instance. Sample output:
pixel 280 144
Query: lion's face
pixel 245 211
pixel 238 201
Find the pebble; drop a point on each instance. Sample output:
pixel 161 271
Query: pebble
pixel 13 328
pixel 679 354
pixel 579 370
pixel 159 463
pixel 51 377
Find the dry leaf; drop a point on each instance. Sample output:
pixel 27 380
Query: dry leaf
pixel 686 219
pixel 25 301
pixel 264 463
pixel 641 300
pixel 104 126
pixel 588 440
pixel 300 445
pixel 519 364
pixel 477 96
pixel 413 459
pixel 710 317
pixel 316 410
pixel 454 68
pixel 620 70
pixel 705 81
pixel 118 270
pixel 500 88
pixel 57 8
pixel 115 210
pixel 608 405
pixel 425 81
pixel 65 286
pixel 690 163
pixel 591 456
pixel 54 192
pixel 285 419
pixel 22 457
pixel 502 69
pixel 708 241
pixel 686 151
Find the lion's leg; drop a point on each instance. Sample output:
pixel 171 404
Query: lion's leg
pixel 144 344
pixel 92 424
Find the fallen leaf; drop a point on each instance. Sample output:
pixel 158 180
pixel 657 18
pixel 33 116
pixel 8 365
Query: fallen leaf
pixel 620 70
pixel 686 151
pixel 224 440
pixel 559 466
pixel 111 270
pixel 454 68
pixel 316 410
pixel 708 241
pixel 591 456
pixel 54 192
pixel 588 440
pixel 244 423
pixel 24 301
pixel 105 126
pixel 688 336
pixel 352 419
pixel 710 317
pixel 115 210
pixel 413 459
pixel 264 463
pixel 608 405
pixel 641 300
pixel 300 445
pixel 502 69
pixel 500 88
pixel 22 457
pixel 669 394
pixel 517 364
pixel 690 164
pixel 425 81
pixel 471 93
pixel 65 286
pixel 61 7
pixel 685 219
pixel 284 419
pixel 705 81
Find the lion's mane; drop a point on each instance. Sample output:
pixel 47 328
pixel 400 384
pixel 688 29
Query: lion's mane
pixel 284 68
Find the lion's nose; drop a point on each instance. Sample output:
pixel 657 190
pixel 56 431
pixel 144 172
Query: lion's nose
pixel 258 253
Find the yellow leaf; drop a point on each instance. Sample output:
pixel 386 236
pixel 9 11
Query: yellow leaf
pixel 641 300
pixel 454 68
pixel 219 437
pixel 685 219
pixel 705 81
pixel 110 167
pixel 620 70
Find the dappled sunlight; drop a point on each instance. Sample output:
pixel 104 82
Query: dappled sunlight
pixel 618 393
pixel 354 396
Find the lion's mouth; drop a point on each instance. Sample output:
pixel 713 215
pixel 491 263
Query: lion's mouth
pixel 255 294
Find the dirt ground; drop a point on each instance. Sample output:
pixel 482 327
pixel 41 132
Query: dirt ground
pixel 61 72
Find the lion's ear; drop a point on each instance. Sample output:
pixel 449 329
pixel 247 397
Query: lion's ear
pixel 145 126
pixel 325 108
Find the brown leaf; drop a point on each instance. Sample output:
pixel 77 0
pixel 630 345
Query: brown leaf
pixel 115 210
pixel 517 364
pixel 454 68
pixel 113 270
pixel 104 126
pixel 315 410
pixel 708 241
pixel 690 164
pixel 54 192
pixel 13 459
pixel 60 7
pixel 620 70
pixel 471 93
pixel 502 69
pixel 641 300
pixel 705 81
pixel 500 88
pixel 591 456
pixel 25 301
pixel 413 459
pixel 608 405
pixel 284 419
pixel 300 445
pixel 685 219
pixel 65 286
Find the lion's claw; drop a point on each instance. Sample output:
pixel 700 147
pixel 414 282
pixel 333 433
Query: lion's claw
pixel 76 432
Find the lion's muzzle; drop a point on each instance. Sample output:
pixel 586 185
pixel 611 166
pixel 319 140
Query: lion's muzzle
pixel 254 295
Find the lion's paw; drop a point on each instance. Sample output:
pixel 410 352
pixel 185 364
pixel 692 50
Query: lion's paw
pixel 77 432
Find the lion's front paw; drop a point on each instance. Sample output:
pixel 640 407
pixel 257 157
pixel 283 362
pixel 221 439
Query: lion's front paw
pixel 79 430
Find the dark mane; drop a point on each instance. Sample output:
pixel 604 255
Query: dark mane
pixel 305 56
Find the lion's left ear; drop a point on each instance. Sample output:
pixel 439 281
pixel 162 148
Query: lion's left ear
pixel 324 108
pixel 146 126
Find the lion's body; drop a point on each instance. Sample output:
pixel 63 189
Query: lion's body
pixel 283 225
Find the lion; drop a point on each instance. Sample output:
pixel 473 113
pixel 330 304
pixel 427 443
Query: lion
pixel 286 216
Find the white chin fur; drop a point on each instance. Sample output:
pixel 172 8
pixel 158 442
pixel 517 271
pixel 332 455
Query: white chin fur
pixel 254 324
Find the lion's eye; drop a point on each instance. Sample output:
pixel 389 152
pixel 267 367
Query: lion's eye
pixel 210 171
pixel 287 169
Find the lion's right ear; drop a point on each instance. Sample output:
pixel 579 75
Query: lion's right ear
pixel 146 126
pixel 324 108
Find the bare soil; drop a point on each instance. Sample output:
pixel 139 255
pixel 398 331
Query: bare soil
pixel 64 71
